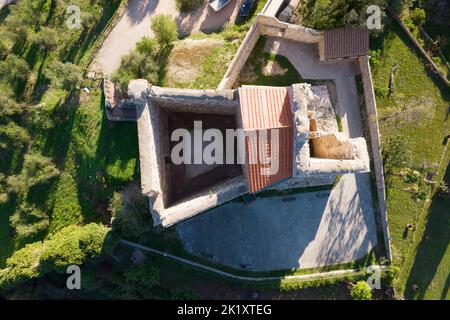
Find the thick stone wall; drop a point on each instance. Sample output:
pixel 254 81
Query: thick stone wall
pixel 374 132
pixel 267 25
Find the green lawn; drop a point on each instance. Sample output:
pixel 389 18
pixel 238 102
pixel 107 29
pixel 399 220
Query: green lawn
pixel 253 70
pixel 417 111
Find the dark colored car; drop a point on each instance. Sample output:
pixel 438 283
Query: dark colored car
pixel 246 7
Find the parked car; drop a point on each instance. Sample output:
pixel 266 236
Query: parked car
pixel 218 5
pixel 246 7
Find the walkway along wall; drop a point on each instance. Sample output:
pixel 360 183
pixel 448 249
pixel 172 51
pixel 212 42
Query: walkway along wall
pixel 374 132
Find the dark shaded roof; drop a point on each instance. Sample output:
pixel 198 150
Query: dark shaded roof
pixel 264 111
pixel 346 42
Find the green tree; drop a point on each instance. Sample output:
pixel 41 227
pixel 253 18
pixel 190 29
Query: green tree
pixel 129 212
pixel 187 5
pixel 165 29
pixel 137 282
pixel 28 222
pixel 64 75
pixel 13 69
pixel 47 38
pixel 8 105
pixel 418 16
pixel 327 14
pixel 361 291
pixel 71 245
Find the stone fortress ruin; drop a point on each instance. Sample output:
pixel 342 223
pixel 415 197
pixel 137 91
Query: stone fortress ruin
pixel 312 150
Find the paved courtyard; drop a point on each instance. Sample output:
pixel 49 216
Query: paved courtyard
pixel 316 229
pixel 305 58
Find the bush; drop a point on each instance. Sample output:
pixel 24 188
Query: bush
pixel 137 281
pixel 418 16
pixel 38 169
pixel 129 212
pixel 187 5
pixel 390 276
pixel 64 75
pixel 381 92
pixel 8 106
pixel 47 38
pixel 28 222
pixel 361 291
pixel 412 176
pixel 326 14
pixel 71 245
pixel 13 69
pixel 165 29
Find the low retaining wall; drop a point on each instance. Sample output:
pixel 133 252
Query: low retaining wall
pixel 374 132
pixel 336 274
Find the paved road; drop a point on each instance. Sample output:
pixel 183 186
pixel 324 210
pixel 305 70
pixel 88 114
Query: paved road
pixel 135 24
pixel 316 229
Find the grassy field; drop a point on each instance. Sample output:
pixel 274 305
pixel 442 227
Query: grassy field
pixel 418 112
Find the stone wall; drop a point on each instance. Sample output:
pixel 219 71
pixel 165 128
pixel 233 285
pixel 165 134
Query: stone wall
pixel 267 25
pixel 374 132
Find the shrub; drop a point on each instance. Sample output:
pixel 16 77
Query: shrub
pixel 148 47
pixel 63 75
pixel 8 106
pixel 389 277
pixel 28 221
pixel 165 29
pixel 38 169
pixel 47 38
pixel 14 69
pixel 412 176
pixel 381 92
pixel 361 291
pixel 129 212
pixel 71 245
pixel 188 5
pixel 418 16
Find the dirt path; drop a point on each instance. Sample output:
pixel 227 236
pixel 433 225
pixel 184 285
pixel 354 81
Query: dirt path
pixel 135 24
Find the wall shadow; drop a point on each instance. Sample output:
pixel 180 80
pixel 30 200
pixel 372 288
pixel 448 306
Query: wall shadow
pixel 431 249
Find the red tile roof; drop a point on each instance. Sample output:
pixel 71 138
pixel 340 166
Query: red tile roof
pixel 266 110
pixel 346 42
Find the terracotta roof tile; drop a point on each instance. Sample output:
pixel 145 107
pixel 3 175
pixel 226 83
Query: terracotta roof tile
pixel 264 111
pixel 346 42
